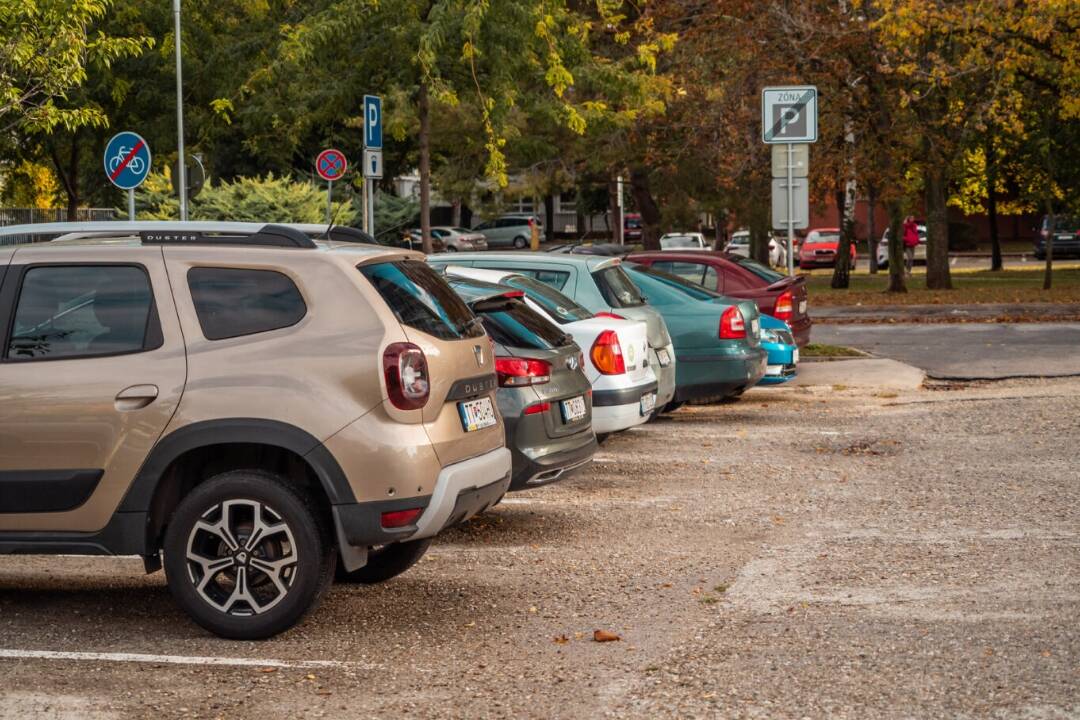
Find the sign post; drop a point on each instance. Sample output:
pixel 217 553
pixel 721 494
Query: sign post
pixel 789 117
pixel 127 163
pixel 330 165
pixel 372 156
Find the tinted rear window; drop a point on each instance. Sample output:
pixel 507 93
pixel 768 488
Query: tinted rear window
pixel 519 326
pixel 1062 224
pixel 422 300
pixel 562 308
pixel 765 273
pixel 231 302
pixel 617 287
pixel 675 282
pixel 823 238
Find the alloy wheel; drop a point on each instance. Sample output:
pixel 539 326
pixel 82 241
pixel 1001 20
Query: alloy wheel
pixel 241 557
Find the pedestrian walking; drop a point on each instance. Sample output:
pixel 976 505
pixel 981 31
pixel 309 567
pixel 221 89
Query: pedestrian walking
pixel 911 241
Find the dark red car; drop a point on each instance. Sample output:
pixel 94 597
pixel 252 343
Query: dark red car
pixel 778 295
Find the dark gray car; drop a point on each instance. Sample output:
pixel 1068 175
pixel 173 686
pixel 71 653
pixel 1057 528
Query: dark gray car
pixel 544 397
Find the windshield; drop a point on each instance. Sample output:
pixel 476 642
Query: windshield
pixel 1062 224
pixel 814 239
pixel 617 287
pixel 679 241
pixel 519 326
pixel 675 282
pixel 560 307
pixel 421 299
pixel 765 273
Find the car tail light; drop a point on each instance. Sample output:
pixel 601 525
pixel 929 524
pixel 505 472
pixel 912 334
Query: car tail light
pixel 606 354
pixel 611 315
pixel 782 310
pixel 406 372
pixel 538 408
pixel 516 372
pixel 532 222
pixel 400 518
pixel 732 326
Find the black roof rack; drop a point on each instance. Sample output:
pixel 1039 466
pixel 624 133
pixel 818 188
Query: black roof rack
pixel 267 235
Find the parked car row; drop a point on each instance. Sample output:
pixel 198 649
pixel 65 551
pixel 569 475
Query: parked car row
pixel 194 394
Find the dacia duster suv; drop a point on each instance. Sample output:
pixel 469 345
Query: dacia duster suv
pixel 251 405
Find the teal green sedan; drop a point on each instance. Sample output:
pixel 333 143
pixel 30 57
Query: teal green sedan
pixel 718 351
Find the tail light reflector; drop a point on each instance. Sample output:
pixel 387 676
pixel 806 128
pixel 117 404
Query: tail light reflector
pixel 732 326
pixel 610 315
pixel 606 354
pixel 400 518
pixel 538 408
pixel 783 309
pixel 516 372
pixel 406 372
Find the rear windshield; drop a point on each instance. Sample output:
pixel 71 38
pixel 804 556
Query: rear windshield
pixel 519 326
pixel 617 287
pixel 560 307
pixel 765 273
pixel 823 238
pixel 422 300
pixel 1062 224
pixel 677 283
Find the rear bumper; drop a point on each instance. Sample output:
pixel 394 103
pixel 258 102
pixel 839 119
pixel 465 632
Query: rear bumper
pixel 711 373
pixel 559 459
pixel 665 376
pixel 461 491
pixel 801 330
pixel 615 410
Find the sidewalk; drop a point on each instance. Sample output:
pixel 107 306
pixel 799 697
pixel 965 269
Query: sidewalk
pixel 988 312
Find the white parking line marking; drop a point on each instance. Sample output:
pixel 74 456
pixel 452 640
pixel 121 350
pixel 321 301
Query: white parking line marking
pixel 181 660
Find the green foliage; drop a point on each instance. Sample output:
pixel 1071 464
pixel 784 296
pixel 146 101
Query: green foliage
pixel 46 50
pixel 392 213
pixel 267 199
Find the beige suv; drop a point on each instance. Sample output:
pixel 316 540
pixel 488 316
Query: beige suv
pixel 254 406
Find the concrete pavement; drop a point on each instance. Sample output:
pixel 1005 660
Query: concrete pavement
pixel 860 373
pixel 968 351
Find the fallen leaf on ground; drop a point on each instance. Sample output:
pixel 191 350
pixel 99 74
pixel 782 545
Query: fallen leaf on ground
pixel 561 639
pixel 605 636
pixel 268 670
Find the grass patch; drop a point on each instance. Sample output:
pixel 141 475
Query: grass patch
pixel 828 351
pixel 969 287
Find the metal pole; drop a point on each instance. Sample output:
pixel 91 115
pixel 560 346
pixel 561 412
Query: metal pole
pixel 180 114
pixel 131 204
pixel 369 191
pixel 329 201
pixel 619 223
pixel 790 211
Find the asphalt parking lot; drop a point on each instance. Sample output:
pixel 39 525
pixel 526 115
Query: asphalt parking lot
pixel 806 552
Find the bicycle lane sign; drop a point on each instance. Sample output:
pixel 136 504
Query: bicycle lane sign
pixel 127 160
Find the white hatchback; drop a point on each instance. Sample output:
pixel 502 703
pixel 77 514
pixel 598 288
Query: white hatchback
pixel 616 351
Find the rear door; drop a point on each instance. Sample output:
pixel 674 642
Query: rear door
pixel 92 367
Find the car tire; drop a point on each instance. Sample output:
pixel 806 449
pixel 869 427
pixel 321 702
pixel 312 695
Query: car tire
pixel 264 594
pixel 520 243
pixel 386 562
pixel 673 406
pixel 451 248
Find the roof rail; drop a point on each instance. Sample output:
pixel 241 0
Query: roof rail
pixel 272 235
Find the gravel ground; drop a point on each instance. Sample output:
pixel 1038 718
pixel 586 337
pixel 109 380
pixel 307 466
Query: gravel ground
pixel 806 552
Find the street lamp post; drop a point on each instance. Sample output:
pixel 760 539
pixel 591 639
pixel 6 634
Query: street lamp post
pixel 181 165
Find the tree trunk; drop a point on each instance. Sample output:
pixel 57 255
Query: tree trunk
pixel 579 217
pixel 841 277
pixel 897 284
pixel 68 172
pixel 455 213
pixel 991 208
pixel 613 211
pixel 937 230
pixel 424 112
pixel 1051 226
pixel 549 218
pixel 646 204
pixel 871 228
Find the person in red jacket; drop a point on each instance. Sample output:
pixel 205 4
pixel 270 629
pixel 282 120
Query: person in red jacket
pixel 911 241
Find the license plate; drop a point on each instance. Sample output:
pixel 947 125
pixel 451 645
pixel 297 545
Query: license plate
pixel 756 326
pixel 802 307
pixel 573 409
pixel 477 414
pixel 648 403
pixel 795 356
pixel 663 356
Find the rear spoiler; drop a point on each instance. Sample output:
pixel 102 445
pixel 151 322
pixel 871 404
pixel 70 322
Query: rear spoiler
pixel 787 282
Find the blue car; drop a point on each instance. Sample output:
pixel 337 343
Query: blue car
pixel 778 341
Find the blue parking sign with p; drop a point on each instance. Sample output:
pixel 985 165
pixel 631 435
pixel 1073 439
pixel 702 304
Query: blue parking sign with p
pixel 127 160
pixel 373 122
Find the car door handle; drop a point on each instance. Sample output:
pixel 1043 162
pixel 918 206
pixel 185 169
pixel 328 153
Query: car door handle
pixel 136 397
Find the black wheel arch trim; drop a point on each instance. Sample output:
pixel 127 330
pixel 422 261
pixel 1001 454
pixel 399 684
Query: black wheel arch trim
pixel 230 431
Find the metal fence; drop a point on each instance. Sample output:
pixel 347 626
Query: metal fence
pixel 30 216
